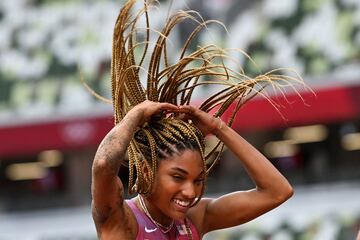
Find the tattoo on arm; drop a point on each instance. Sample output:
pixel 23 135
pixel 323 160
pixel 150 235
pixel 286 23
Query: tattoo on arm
pixel 113 147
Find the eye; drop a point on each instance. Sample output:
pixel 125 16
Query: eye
pixel 199 181
pixel 177 178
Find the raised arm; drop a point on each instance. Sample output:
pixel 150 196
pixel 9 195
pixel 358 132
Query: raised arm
pixel 236 208
pixel 107 189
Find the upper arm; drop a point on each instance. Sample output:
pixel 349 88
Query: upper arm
pixel 107 192
pixel 236 208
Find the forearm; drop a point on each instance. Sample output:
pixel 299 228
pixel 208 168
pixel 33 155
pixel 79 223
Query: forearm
pixel 112 149
pixel 261 171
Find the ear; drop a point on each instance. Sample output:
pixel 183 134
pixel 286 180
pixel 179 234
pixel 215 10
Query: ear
pixel 145 170
pixel 146 174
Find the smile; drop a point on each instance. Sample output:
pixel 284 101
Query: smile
pixel 182 203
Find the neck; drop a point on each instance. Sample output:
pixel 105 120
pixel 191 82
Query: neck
pixel 154 212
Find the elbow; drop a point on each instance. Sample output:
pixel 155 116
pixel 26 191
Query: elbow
pixel 288 192
pixel 100 166
pixel 285 192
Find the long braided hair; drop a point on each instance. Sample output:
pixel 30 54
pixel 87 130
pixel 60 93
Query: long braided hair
pixel 173 83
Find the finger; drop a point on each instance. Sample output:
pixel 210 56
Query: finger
pixel 186 108
pixel 180 110
pixel 190 110
pixel 168 107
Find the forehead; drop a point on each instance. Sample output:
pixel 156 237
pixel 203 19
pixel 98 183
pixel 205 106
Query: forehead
pixel 188 160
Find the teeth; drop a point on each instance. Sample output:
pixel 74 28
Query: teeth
pixel 181 203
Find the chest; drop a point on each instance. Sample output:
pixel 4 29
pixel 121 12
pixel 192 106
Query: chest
pixel 152 232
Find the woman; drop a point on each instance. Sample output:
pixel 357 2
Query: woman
pixel 164 138
pixel 178 182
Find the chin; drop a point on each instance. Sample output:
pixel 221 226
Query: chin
pixel 177 215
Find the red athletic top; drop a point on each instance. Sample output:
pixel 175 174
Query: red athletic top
pixel 147 230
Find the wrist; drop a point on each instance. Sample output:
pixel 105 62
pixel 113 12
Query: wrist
pixel 133 119
pixel 136 114
pixel 219 126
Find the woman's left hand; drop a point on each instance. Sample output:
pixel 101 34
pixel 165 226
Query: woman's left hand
pixel 202 120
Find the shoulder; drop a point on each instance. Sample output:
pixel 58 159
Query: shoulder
pixel 120 223
pixel 197 215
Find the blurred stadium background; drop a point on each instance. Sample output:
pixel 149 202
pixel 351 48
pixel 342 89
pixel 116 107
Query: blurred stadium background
pixel 50 125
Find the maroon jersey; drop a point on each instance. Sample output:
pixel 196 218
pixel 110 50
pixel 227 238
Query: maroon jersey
pixel 147 230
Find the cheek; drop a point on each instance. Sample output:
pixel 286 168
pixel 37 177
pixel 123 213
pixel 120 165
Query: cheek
pixel 200 188
pixel 163 186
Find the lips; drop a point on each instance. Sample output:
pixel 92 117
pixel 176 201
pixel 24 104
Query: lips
pixel 182 205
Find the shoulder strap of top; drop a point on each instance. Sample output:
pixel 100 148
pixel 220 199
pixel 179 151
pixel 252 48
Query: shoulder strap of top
pixel 134 208
pixel 140 218
pixel 193 229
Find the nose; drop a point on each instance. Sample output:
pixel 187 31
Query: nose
pixel 189 190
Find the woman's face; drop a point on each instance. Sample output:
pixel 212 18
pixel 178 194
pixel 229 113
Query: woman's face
pixel 179 181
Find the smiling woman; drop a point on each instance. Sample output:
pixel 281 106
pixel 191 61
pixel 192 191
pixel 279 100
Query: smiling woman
pixel 180 181
pixel 163 135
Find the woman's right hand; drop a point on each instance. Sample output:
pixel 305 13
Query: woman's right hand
pixel 204 121
pixel 148 109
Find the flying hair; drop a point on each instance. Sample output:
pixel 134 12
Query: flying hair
pixel 174 83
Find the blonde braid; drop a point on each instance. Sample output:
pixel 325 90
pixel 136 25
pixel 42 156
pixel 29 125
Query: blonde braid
pixel 132 162
pixel 154 156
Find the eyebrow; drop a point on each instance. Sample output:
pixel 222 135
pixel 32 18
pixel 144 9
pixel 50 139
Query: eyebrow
pixel 184 171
